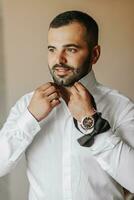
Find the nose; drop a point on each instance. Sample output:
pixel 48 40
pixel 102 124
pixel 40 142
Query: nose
pixel 61 58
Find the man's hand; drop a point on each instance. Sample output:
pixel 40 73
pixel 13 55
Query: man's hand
pixel 45 98
pixel 80 103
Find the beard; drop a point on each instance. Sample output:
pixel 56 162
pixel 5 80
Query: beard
pixel 74 75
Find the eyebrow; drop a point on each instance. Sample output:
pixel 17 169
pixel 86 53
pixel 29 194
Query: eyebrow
pixel 50 46
pixel 72 45
pixel 66 45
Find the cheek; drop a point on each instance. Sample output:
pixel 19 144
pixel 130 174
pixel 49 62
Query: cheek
pixel 50 60
pixel 78 61
pixel 74 60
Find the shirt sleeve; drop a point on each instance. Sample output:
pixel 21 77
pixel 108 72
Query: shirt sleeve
pixel 115 153
pixel 16 135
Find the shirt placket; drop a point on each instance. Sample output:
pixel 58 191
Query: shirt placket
pixel 66 162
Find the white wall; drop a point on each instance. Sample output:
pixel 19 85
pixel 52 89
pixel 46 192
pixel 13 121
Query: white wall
pixel 25 33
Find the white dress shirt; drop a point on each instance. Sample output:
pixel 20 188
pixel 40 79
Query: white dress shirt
pixel 58 168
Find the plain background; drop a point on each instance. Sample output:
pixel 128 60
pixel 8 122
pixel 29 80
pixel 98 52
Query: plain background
pixel 23 56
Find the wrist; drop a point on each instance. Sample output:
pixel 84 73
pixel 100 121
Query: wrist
pixel 34 114
pixel 88 113
pixel 91 112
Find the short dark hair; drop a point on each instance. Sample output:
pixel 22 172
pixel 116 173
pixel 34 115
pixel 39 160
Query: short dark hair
pixel 89 23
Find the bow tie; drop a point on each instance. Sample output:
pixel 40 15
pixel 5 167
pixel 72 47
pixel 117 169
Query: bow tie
pixel 101 126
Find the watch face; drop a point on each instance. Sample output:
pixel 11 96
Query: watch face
pixel 88 122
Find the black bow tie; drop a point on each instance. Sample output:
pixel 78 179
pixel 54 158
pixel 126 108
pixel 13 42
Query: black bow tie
pixel 101 126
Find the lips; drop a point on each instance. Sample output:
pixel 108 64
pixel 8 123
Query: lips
pixel 62 71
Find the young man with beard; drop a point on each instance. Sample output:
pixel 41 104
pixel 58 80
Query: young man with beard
pixel 78 136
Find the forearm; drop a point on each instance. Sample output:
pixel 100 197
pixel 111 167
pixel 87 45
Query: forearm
pixel 116 157
pixel 15 137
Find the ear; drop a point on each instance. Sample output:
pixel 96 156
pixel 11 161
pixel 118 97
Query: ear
pixel 95 54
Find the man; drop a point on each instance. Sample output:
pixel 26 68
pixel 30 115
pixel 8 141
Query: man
pixel 78 135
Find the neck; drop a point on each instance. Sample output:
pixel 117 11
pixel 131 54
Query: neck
pixel 65 93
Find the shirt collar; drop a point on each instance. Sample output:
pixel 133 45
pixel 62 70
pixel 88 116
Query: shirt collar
pixel 89 81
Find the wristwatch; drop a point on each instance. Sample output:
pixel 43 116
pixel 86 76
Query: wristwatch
pixel 87 122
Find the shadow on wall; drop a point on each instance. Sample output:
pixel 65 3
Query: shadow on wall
pixel 4 191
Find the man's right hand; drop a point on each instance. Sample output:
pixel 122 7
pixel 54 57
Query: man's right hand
pixel 45 98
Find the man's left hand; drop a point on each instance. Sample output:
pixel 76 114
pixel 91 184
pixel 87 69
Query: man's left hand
pixel 80 103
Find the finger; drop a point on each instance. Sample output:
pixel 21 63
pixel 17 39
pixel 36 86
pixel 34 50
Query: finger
pixel 81 89
pixel 50 91
pixel 55 102
pixel 45 86
pixel 79 86
pixel 74 90
pixel 53 96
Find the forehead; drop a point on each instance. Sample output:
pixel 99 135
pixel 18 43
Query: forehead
pixel 72 33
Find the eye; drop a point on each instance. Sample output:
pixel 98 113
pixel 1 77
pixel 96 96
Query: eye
pixel 72 50
pixel 51 49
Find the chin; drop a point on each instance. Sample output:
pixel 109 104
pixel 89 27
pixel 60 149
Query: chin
pixel 64 83
pixel 61 81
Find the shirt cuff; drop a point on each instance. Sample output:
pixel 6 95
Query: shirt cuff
pixel 28 124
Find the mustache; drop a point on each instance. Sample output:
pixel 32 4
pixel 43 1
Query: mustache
pixel 63 66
